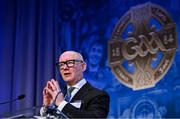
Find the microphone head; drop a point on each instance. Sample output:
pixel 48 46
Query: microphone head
pixel 21 96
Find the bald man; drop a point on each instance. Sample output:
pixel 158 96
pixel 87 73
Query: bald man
pixel 82 100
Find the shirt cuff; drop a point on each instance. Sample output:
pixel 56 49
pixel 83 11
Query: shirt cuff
pixel 43 111
pixel 62 104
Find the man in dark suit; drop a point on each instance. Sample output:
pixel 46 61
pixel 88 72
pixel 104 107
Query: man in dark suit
pixel 82 100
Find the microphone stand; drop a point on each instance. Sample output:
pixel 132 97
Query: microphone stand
pixel 20 97
pixel 21 113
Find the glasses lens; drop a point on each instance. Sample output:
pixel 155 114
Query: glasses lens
pixel 59 65
pixel 70 63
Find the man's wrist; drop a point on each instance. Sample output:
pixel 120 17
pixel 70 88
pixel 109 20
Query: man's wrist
pixel 56 102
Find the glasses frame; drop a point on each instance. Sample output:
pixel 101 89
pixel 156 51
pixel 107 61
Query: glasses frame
pixel 59 66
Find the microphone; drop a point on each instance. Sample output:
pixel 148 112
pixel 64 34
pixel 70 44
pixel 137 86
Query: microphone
pixel 20 97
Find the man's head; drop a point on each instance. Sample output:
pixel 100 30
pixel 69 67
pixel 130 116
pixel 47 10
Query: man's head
pixel 71 66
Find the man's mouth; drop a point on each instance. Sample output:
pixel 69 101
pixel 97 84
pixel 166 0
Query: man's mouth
pixel 67 74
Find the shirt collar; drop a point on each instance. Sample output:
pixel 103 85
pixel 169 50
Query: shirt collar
pixel 79 84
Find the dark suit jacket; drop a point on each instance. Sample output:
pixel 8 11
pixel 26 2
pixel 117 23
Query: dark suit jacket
pixel 95 103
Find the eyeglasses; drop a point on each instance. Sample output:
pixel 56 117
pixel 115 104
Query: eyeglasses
pixel 69 63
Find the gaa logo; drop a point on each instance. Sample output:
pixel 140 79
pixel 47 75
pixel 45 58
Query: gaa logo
pixel 142 46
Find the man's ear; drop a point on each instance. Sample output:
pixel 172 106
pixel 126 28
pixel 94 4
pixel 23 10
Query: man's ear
pixel 84 66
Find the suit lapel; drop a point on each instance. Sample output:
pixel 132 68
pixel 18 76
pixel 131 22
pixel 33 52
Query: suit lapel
pixel 82 92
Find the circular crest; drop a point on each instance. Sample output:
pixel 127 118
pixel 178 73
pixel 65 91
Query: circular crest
pixel 142 46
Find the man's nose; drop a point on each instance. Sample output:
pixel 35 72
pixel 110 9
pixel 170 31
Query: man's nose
pixel 65 66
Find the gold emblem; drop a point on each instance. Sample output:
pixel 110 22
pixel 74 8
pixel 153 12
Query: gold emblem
pixel 142 46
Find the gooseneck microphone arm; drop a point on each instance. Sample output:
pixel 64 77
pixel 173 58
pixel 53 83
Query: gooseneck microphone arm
pixel 20 97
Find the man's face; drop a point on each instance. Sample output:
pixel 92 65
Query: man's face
pixel 95 54
pixel 72 67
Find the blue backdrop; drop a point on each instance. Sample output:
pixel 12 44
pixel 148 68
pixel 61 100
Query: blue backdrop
pixel 34 32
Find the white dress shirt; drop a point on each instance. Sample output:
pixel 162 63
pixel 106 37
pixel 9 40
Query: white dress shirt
pixel 77 86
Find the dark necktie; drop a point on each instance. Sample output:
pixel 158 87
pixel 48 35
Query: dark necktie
pixel 68 94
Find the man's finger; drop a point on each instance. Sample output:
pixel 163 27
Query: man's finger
pixel 44 91
pixel 51 85
pixel 49 91
pixel 55 83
